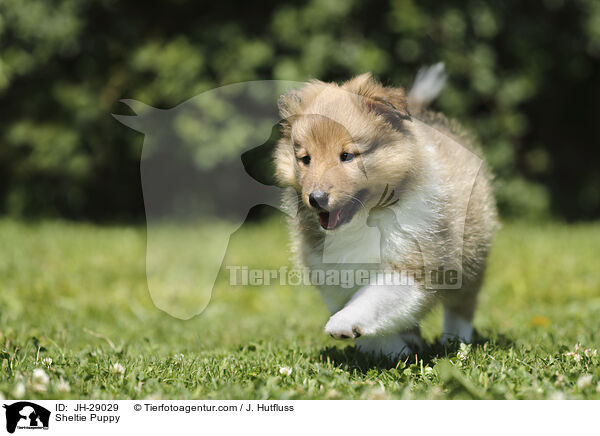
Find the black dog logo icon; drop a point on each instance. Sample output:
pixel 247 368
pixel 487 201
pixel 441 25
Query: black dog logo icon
pixel 26 415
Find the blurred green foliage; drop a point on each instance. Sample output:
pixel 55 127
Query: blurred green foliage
pixel 523 77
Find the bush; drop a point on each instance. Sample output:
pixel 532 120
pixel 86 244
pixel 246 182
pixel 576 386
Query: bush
pixel 523 77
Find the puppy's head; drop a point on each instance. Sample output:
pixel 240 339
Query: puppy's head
pixel 342 145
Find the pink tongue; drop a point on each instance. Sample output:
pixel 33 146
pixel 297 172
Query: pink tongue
pixel 329 221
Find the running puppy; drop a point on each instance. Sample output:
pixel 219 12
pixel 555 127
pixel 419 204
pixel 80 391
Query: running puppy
pixel 379 180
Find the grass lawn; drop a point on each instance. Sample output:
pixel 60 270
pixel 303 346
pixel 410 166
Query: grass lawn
pixel 74 302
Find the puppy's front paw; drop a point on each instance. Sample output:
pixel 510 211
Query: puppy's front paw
pixel 344 326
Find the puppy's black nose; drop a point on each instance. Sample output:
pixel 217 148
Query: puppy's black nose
pixel 318 199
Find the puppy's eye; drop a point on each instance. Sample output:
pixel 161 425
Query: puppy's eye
pixel 346 157
pixel 305 159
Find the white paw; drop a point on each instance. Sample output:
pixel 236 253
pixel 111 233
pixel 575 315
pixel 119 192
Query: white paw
pixel 343 325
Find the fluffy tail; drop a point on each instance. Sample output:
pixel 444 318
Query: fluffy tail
pixel 428 84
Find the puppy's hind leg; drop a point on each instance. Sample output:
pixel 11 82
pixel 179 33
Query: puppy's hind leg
pixel 458 317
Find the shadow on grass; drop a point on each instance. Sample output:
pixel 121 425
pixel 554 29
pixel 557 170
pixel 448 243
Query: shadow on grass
pixel 351 359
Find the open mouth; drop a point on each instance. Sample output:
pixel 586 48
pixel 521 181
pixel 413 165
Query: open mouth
pixel 334 218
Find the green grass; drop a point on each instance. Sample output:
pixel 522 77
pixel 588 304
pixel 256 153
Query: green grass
pixel 77 294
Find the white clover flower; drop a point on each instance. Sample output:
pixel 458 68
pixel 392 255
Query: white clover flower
pixel 578 352
pixel 463 351
pixel 47 361
pixel 40 377
pixel 117 369
pixel 19 391
pixel 285 370
pixel 40 380
pixel 575 353
pixel 63 386
pixel 584 381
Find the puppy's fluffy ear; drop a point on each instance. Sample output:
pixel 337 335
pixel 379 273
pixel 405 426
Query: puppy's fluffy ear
pixel 284 156
pixel 389 102
pixel 284 160
pixel 289 103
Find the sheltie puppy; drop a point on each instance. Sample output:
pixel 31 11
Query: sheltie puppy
pixel 380 183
